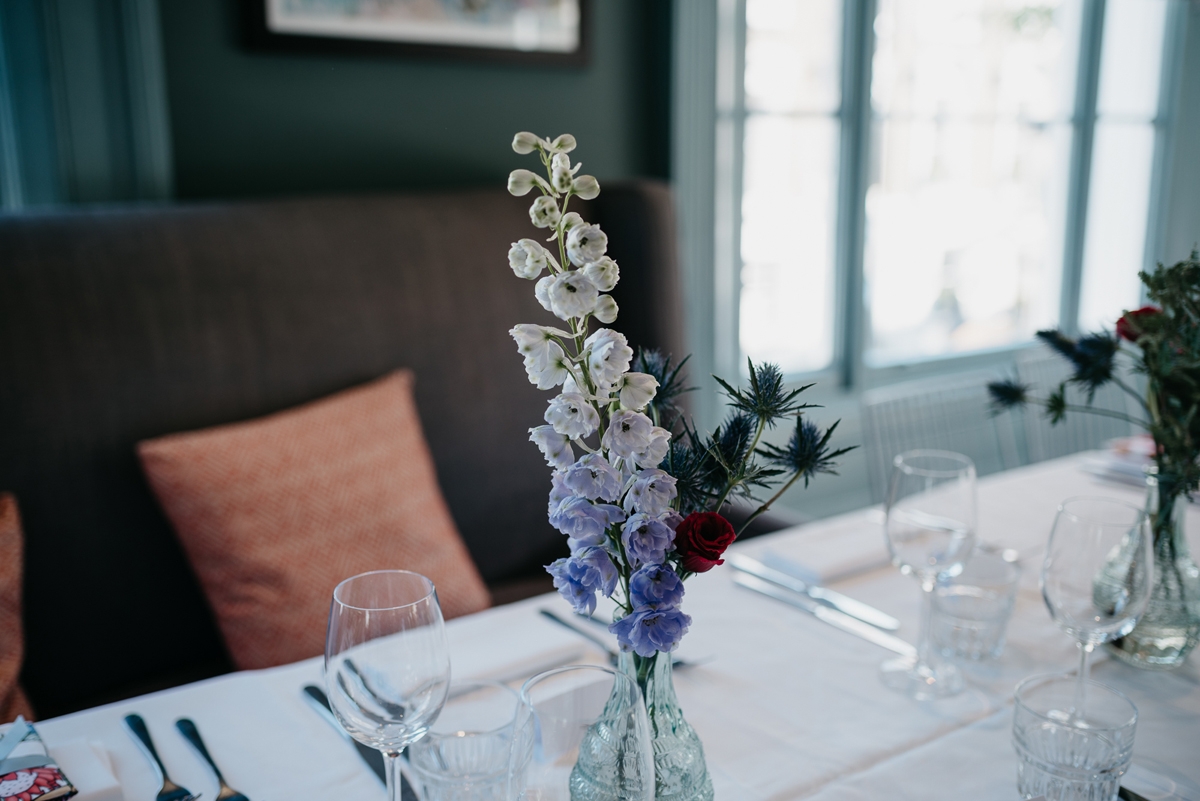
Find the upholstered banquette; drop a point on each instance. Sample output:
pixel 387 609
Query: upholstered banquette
pixel 119 325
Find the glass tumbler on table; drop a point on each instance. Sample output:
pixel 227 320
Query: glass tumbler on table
pixel 387 665
pixel 1056 756
pixel 464 757
pixel 930 531
pixel 581 734
pixel 971 611
pixel 1096 576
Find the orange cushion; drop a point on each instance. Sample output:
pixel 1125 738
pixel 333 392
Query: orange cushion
pixel 12 638
pixel 274 512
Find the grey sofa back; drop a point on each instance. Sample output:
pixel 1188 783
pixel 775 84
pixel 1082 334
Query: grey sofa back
pixel 118 325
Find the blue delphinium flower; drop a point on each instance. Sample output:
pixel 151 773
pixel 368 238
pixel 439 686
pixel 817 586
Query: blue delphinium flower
pixel 651 493
pixel 656 586
pixel 584 521
pixel 559 492
pixel 593 477
pixel 647 630
pixel 579 577
pixel 646 540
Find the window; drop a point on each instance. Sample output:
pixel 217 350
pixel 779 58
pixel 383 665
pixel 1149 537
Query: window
pixel 919 179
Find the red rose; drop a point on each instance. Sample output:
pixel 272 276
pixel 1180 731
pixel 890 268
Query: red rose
pixel 1132 323
pixel 701 539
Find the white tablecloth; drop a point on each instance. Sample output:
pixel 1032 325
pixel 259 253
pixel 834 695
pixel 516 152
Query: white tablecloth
pixel 787 708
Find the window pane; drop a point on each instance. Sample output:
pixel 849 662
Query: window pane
pixel 1131 58
pixel 788 209
pixel 793 55
pixel 1118 204
pixel 966 203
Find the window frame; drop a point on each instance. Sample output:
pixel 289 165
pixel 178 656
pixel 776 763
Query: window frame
pixel 714 281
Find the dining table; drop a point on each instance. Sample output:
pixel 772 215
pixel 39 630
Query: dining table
pixel 786 705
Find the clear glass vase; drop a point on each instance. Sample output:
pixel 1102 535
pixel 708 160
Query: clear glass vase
pixel 680 772
pixel 1170 627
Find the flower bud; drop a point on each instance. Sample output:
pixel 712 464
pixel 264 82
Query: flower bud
pixel 525 142
pixel 561 173
pixel 606 309
pixel 586 186
pixel 520 182
pixel 563 144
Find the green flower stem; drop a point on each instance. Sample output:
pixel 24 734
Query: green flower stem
pixel 733 482
pixel 767 505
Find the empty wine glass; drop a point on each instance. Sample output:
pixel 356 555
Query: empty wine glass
pixel 930 533
pixel 1097 575
pixel 387 665
pixel 581 734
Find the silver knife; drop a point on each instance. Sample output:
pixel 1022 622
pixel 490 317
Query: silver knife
pixel 824 613
pixel 858 609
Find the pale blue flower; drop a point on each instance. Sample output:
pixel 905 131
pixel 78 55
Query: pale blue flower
pixel 554 446
pixel 646 539
pixel 593 477
pixel 646 631
pixel 584 521
pixel 579 577
pixel 559 491
pixel 656 586
pixel 651 493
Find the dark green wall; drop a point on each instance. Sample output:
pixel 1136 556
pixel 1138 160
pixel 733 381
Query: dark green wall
pixel 252 124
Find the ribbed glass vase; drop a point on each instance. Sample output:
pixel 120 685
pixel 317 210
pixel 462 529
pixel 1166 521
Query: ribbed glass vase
pixel 1170 627
pixel 680 771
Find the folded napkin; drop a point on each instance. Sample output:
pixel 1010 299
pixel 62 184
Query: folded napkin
pixel 839 548
pixel 27 771
pixel 90 768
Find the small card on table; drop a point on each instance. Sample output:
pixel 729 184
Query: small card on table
pixel 27 771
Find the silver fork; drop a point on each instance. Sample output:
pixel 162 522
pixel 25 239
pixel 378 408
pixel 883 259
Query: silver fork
pixel 190 733
pixel 141 735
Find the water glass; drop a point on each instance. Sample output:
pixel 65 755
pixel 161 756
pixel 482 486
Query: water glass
pixel 581 734
pixel 971 611
pixel 464 757
pixel 1066 757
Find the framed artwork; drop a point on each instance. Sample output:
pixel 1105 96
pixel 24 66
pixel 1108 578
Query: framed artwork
pixel 522 31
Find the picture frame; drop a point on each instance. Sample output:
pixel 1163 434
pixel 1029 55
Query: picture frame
pixel 530 32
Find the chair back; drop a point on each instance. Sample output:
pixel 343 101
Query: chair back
pixel 951 414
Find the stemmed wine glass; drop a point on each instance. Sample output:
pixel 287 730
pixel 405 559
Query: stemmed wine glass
pixel 1097 575
pixel 930 534
pixel 387 665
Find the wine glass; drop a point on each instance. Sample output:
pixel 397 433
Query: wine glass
pixel 387 665
pixel 930 534
pixel 581 732
pixel 1097 575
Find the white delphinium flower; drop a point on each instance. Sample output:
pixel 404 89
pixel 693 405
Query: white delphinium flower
pixel 655 449
pixel 521 182
pixel 603 272
pixel 586 243
pixel 636 390
pixel 528 258
pixel 525 142
pixel 548 373
pixel 562 144
pixel 592 477
pixel 562 175
pixel 541 291
pixel 533 341
pixel 651 493
pixel 554 446
pixel 570 220
pixel 606 309
pixel 628 433
pixel 544 212
pixel 586 186
pixel 572 416
pixel 572 295
pixel 608 357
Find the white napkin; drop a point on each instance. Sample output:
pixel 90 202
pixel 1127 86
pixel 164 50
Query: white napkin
pixel 87 764
pixel 845 546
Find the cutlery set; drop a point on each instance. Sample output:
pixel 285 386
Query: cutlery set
pixel 170 790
